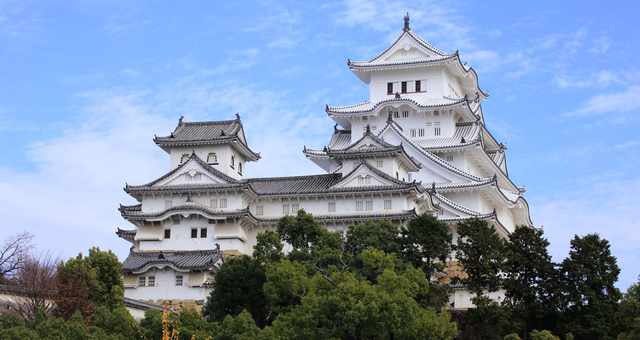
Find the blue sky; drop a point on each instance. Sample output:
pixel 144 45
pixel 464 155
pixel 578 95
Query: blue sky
pixel 84 86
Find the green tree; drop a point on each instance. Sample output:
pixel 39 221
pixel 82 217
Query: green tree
pixel 590 297
pixel 529 272
pixel 427 243
pixel 75 283
pixel 481 251
pixel 241 327
pixel 629 310
pixel 238 286
pixel 109 290
pixel 115 322
pixel 268 247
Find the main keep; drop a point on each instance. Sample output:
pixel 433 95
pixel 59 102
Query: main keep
pixel 418 145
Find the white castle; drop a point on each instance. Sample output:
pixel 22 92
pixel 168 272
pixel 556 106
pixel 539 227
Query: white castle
pixel 418 145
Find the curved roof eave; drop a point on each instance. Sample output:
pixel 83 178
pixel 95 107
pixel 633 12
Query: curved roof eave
pixel 378 105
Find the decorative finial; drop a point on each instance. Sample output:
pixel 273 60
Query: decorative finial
pixel 390 116
pixel 237 116
pixel 171 135
pixel 180 121
pixel 433 187
pixel 193 153
pixel 326 107
pixel 218 246
pixel 161 256
pixel 368 128
pixel 335 127
pixel 462 140
pixel 222 133
pixel 189 199
pixel 397 95
pixel 406 23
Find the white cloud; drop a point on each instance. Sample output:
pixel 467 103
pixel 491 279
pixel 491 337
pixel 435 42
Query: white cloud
pixel 601 45
pixel 601 78
pixel 619 102
pixel 282 43
pixel 607 208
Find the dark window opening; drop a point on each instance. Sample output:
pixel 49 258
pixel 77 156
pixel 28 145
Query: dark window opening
pixel 167 233
pixel 203 233
pixel 389 88
pixel 194 233
pixel 404 87
pixel 418 86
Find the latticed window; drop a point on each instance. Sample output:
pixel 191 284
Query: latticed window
pixel 396 114
pixel 214 203
pixel 404 87
pixel 152 281
pixel 331 207
pixel 418 86
pixel 449 158
pixel 176 220
pixel 203 232
pixel 364 180
pixel 369 205
pixel 405 114
pixel 240 168
pixel 389 88
pixel 359 205
pixel 194 232
pixel 436 131
pixel 285 209
pixel 167 233
pixel 295 208
pixel 142 281
pixel 233 162
pixel 260 210
pixel 420 132
pixel 379 164
pixel 387 204
pixel 179 280
pixel 412 132
pixel 223 203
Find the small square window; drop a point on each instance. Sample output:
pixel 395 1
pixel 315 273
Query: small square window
pixel 214 203
pixel 203 232
pixel 285 209
pixel 418 86
pixel 387 204
pixel 168 204
pixel 295 208
pixel 194 232
pixel 341 233
pixel 176 220
pixel 389 88
pixel 167 233
pixel 142 281
pixel 449 158
pixel 260 210
pixel 359 205
pixel 436 131
pixel 369 205
pixel 404 87
pixel 152 281
pixel 379 164
pixel 223 203
pixel 178 280
pixel 331 207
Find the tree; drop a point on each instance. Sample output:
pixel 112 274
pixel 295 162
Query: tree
pixel 109 290
pixel 268 247
pixel 241 327
pixel 75 282
pixel 238 286
pixel 590 297
pixel 481 251
pixel 528 270
pixel 427 243
pixel 33 286
pixel 13 254
pixel 629 311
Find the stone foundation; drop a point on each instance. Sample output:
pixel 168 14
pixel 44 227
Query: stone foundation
pixel 176 304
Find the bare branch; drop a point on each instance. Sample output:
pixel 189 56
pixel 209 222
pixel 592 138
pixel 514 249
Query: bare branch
pixel 323 274
pixel 14 252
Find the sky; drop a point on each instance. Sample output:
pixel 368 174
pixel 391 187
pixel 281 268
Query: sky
pixel 85 85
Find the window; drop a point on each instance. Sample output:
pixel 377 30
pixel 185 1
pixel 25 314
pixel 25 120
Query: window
pixel 428 123
pixel 212 158
pixel 365 118
pixel 410 177
pixel 387 204
pixel 212 221
pixel 405 114
pixel 418 84
pixel 240 168
pixel 295 208
pixel 359 205
pixel 184 158
pixel 223 203
pixel 331 207
pixel 167 233
pixel 369 205
pixel 412 132
pixel 364 180
pixel 436 113
pixel 396 114
pixel 375 127
pixel 389 88
pixel 233 162
pixel 214 203
pixel 168 204
pixel 379 164
pixel 187 177
pixel 152 281
pixel 285 209
pixel 178 280
pixel 142 281
pixel 420 132
pixel 404 87
pixel 176 220
pixel 196 177
pixel 260 210
pixel 203 232
pixel 449 158
pixel 436 131
pixel 194 232
pixel 341 233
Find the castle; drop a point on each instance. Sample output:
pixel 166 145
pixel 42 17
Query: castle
pixel 418 145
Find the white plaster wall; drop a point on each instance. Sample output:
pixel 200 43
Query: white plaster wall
pixel 223 151
pixel 181 235
pixel 431 78
pixel 165 287
pixel 461 298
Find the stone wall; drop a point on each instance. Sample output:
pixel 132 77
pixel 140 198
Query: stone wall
pixel 176 304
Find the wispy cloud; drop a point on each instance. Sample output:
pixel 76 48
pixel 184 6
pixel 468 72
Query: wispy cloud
pixel 282 43
pixel 601 45
pixel 620 102
pixel 601 78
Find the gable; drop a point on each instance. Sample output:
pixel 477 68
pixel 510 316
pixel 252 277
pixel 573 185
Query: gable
pixel 191 173
pixel 367 143
pixel 362 176
pixel 407 51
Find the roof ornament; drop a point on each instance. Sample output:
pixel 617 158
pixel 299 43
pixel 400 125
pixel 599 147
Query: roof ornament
pixel 172 136
pixel 237 116
pixel 397 95
pixel 433 187
pixel 462 140
pixel 390 117
pixel 406 23
pixel 218 246
pixel 368 128
pixel 189 199
pixel 326 149
pixel 222 133
pixel 161 256
pixel 335 127
pixel 180 121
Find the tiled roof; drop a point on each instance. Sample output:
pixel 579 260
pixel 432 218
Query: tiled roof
pixel 445 186
pixel 294 184
pixel 186 206
pixel 144 305
pixel 455 206
pixel 340 139
pixel 361 216
pixel 466 134
pixel 126 234
pixel 185 260
pixel 421 100
pixel 199 133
